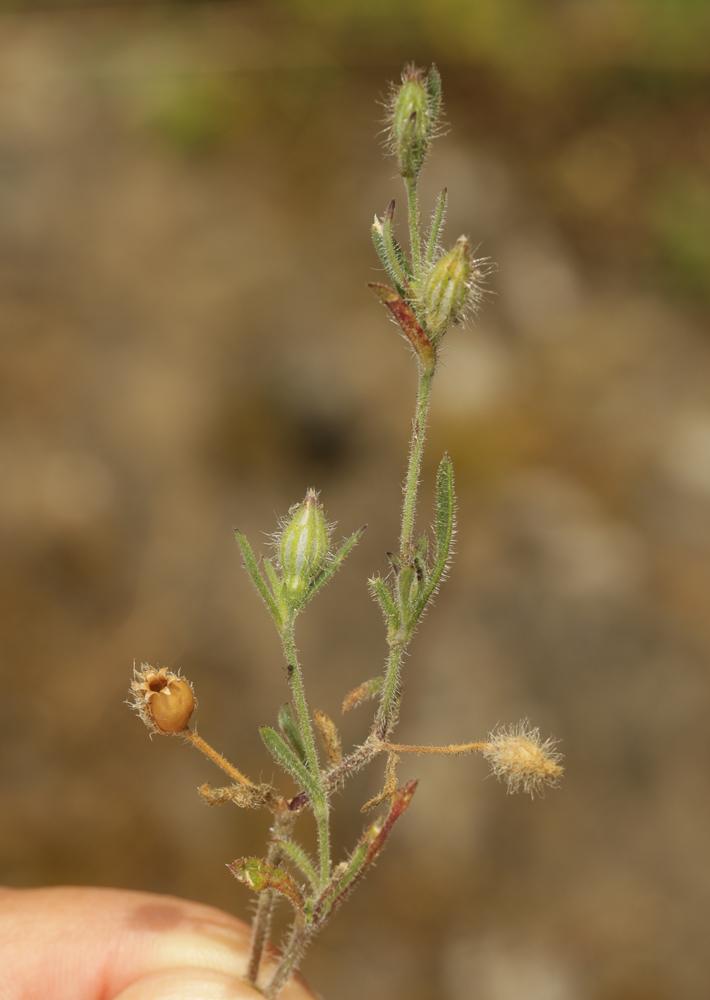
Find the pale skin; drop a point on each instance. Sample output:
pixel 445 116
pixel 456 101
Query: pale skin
pixel 110 944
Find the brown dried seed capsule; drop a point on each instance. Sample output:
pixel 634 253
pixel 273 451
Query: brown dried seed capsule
pixel 164 700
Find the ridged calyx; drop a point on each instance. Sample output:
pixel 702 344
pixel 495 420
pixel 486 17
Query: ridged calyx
pixel 303 546
pixel 415 109
pixel 447 289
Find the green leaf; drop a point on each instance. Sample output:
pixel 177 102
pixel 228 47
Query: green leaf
pixel 437 224
pixel 389 251
pixel 383 595
pixel 335 561
pixel 287 725
pixel 342 884
pixel 274 579
pixel 445 509
pixel 260 876
pixel 287 758
pixel 433 86
pixel 421 552
pixel 298 857
pixel 366 851
pixel 252 567
pixel 444 528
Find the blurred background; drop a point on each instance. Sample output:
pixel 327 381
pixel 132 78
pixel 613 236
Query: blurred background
pixel 186 191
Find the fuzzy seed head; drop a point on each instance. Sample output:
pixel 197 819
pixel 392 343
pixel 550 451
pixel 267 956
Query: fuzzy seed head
pixel 303 546
pixel 164 700
pixel 522 759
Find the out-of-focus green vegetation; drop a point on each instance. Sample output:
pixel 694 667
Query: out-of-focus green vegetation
pixel 680 226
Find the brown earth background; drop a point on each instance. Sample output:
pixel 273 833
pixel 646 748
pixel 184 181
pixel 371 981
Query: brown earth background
pixel 188 343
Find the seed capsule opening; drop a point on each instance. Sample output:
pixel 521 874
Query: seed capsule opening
pixel 163 699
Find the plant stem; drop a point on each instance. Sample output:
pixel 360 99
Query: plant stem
pixel 291 956
pixel 450 750
pixel 261 924
pixel 389 701
pixel 352 763
pixel 320 807
pixel 416 451
pixel 388 709
pixel 190 736
pixel 415 239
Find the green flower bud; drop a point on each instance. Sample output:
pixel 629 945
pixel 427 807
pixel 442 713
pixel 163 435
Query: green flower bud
pixel 303 547
pixel 447 289
pixel 416 104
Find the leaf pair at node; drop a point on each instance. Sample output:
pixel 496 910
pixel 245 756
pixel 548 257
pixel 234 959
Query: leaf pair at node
pixel 416 575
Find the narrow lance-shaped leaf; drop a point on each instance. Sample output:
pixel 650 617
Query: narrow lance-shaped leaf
pixel 394 251
pixel 407 321
pixel 289 729
pixel 335 561
pixel 437 224
pixel 366 852
pixel 383 595
pixel 367 691
pixel 288 760
pixel 343 882
pixel 300 859
pixel 379 245
pixel 389 251
pixel 252 567
pixel 444 527
pixel 400 803
pixel 274 579
pixel 330 737
pixel 433 86
pixel 260 876
pixel 240 795
pixel 389 786
pixel 445 509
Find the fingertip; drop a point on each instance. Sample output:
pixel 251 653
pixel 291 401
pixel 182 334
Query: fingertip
pixel 188 984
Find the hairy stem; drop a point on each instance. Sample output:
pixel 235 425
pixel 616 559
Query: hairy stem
pixel 261 924
pixel 190 736
pixel 290 958
pixel 388 709
pixel 414 467
pixel 415 238
pixel 450 750
pixel 389 702
pixel 320 807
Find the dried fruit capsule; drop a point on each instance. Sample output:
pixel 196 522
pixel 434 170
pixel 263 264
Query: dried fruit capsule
pixel 164 700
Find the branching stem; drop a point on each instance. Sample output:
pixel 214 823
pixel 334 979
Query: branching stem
pixel 261 924
pixel 291 956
